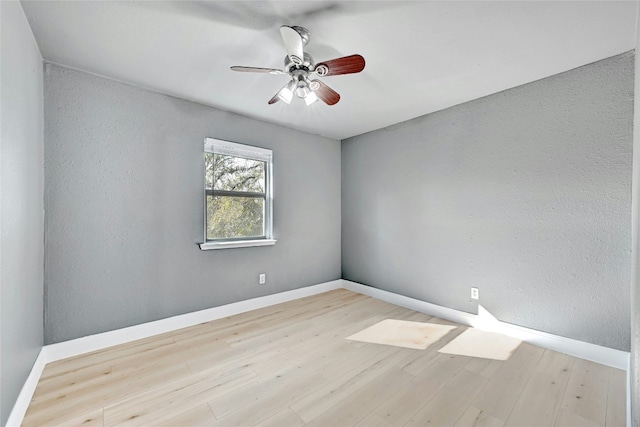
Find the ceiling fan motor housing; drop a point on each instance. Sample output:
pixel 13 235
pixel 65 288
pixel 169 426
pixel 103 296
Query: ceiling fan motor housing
pixel 305 35
pixel 308 64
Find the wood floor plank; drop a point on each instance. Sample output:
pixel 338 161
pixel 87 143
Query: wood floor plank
pixel 83 378
pixel 312 405
pixel 374 420
pixel 263 404
pixel 91 419
pixel 126 369
pixel 359 405
pixel 170 398
pixel 68 406
pixel 307 351
pixel 400 407
pixel 485 367
pixel 474 417
pixel 541 398
pixel 290 365
pixel 285 417
pixel 586 394
pixel 200 416
pixel 423 360
pixel 616 398
pixel 229 358
pixel 504 388
pixel 107 357
pixel 450 402
pixel 566 418
pixel 301 381
pixel 336 360
pixel 211 332
pixel 352 357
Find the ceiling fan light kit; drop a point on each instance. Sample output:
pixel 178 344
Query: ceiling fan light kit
pixel 299 65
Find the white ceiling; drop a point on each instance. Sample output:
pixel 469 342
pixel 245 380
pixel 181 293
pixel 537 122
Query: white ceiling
pixel 420 56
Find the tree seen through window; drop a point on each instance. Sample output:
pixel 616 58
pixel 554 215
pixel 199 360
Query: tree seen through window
pixel 236 196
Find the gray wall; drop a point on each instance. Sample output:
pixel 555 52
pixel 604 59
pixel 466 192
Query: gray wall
pixel 124 201
pixel 525 194
pixel 634 374
pixel 21 205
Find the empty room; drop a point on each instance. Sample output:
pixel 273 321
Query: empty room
pixel 319 213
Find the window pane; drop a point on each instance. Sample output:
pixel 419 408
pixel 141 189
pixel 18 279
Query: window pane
pixel 237 174
pixel 208 171
pixel 234 217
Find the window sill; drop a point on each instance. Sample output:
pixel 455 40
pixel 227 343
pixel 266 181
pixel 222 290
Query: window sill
pixel 207 246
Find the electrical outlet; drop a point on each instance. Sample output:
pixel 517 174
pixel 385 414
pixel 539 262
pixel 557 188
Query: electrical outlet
pixel 263 279
pixel 474 293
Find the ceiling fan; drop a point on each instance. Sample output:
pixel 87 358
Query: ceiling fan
pixel 302 68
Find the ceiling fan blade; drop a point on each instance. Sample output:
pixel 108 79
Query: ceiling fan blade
pixel 345 65
pixel 324 92
pixel 257 70
pixel 293 44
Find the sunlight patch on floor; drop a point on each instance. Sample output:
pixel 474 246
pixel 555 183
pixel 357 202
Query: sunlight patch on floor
pixel 402 333
pixel 484 344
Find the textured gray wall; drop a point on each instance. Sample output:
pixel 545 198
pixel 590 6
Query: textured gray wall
pixel 21 205
pixel 124 202
pixel 634 374
pixel 525 194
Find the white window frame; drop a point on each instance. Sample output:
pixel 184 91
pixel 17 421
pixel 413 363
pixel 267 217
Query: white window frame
pixel 218 146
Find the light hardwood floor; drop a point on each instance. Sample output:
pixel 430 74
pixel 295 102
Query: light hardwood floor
pixel 289 365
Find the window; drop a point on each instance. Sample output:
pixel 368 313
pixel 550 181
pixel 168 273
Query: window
pixel 238 195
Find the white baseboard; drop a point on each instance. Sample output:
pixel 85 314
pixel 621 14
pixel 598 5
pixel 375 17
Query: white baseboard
pixel 629 393
pixel 50 353
pixel 595 353
pixel 95 342
pixel 24 398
